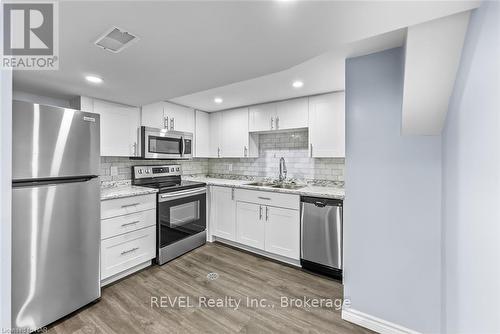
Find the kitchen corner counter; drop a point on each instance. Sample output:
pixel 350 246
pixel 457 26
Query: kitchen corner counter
pixel 309 190
pixel 120 189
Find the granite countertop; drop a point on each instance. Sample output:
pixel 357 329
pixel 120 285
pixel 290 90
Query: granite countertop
pixel 120 189
pixel 308 190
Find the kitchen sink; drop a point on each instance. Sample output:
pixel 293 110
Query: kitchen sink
pixel 288 186
pixel 291 186
pixel 262 184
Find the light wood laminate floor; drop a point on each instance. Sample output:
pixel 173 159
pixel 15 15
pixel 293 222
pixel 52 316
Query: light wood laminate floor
pixel 126 306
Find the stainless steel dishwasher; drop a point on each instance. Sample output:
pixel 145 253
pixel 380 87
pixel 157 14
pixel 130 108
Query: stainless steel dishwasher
pixel 321 235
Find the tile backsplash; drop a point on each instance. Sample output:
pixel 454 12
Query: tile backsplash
pixel 124 166
pixel 293 146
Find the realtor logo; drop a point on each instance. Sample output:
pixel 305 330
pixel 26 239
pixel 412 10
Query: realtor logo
pixel 30 35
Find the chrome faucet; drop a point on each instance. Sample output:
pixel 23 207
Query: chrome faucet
pixel 283 171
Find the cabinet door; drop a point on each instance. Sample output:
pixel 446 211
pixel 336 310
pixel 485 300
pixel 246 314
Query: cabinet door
pixel 262 117
pixel 152 115
pixel 327 125
pixel 202 134
pixel 235 135
pixel 292 114
pixel 119 126
pixel 223 212
pixel 179 118
pixel 215 123
pixel 282 232
pixel 250 224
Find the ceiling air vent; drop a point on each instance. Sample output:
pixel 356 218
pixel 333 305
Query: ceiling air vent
pixel 115 40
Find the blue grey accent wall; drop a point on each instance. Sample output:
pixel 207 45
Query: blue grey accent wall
pixel 392 210
pixel 471 182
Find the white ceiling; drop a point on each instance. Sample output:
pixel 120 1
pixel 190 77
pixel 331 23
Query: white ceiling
pixel 433 51
pixel 192 46
pixel 324 73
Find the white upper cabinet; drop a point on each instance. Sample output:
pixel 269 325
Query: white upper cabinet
pixel 292 114
pixel 165 115
pixel 327 125
pixel 229 136
pixel 284 115
pixel 202 134
pixel 262 117
pixel 152 116
pixel 215 138
pixel 119 126
pixel 235 133
pixel 180 118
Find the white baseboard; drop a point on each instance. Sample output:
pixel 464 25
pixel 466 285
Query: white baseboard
pixel 375 324
pixel 125 273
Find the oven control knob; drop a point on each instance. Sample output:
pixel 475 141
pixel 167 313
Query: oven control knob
pixel 147 171
pixel 177 169
pixel 172 169
pixel 139 171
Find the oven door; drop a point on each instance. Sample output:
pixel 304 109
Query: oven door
pixel 181 214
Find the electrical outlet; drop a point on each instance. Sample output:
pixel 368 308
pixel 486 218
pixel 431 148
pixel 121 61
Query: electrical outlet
pixel 114 170
pixel 230 167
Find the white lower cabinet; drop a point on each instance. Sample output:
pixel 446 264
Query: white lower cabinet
pixel 250 227
pixel 127 250
pixel 128 236
pixel 283 232
pixel 266 221
pixel 223 212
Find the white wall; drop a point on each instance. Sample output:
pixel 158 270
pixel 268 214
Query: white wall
pixel 392 208
pixel 5 194
pixel 47 100
pixel 471 182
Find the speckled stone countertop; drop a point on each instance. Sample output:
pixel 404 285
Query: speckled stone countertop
pixel 335 192
pixel 119 189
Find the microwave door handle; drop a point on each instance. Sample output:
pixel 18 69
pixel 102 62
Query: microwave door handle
pixel 182 146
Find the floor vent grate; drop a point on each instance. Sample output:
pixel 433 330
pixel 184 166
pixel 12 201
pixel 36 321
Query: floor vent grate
pixel 212 276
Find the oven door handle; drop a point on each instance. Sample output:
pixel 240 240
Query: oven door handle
pixel 181 194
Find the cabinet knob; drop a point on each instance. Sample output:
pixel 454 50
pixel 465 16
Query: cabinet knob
pixel 272 123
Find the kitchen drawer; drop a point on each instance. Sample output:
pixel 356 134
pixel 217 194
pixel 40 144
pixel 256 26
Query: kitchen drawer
pixel 127 250
pixel 112 227
pixel 289 201
pixel 122 206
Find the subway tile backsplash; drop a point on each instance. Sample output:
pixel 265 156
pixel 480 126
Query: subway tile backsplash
pixel 293 146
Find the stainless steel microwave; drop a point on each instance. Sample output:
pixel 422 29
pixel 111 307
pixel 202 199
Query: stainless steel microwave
pixel 163 144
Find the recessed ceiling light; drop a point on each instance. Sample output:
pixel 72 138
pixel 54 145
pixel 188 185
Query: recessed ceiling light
pixel 297 84
pixel 93 79
pixel 218 100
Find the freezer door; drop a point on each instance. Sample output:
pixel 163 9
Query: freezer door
pixel 321 232
pixel 53 142
pixel 55 250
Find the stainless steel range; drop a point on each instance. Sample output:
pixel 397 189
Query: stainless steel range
pixel 181 209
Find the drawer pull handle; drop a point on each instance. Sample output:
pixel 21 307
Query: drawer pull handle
pixel 131 223
pixel 266 198
pixel 129 205
pixel 129 251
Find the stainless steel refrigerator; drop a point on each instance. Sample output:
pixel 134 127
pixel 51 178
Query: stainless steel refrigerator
pixel 55 212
